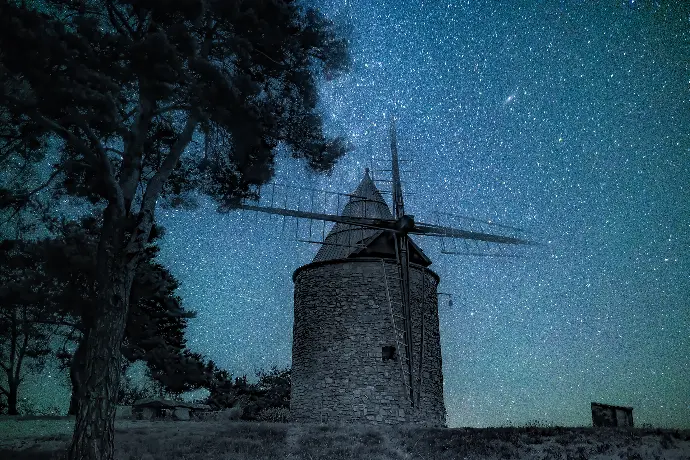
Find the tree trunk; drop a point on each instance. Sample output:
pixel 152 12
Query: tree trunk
pixel 12 398
pixel 74 398
pixel 73 404
pixel 76 372
pixel 94 428
pixel 12 383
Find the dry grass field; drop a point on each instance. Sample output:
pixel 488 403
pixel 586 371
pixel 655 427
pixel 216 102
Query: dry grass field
pixel 43 438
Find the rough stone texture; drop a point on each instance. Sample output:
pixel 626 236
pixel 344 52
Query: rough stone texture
pixel 342 322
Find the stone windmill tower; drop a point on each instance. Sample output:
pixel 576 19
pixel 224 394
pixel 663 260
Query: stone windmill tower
pixel 348 353
pixel 366 342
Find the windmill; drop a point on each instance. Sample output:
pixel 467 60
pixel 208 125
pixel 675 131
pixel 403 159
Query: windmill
pixel 408 264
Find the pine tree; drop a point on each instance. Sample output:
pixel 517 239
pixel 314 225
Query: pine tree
pixel 126 85
pixel 24 332
pixel 156 322
pixel 48 284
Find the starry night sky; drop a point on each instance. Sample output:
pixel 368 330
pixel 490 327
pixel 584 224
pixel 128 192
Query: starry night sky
pixel 569 119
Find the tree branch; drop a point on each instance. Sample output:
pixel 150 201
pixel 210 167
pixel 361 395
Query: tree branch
pixel 46 184
pixel 132 157
pixel 112 12
pixel 155 185
pixel 126 115
pixel 99 158
pixel 58 323
pixel 120 153
pixel 78 119
pixel 24 199
pixel 269 57
pixel 22 350
pixel 171 108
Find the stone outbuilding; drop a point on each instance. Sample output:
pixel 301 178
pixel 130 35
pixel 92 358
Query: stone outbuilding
pixel 608 415
pixel 159 408
pixel 347 360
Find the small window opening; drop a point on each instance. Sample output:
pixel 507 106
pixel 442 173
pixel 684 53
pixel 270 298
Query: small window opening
pixel 388 352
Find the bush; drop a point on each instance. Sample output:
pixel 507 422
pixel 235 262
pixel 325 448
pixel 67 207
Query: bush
pixel 133 389
pixel 223 393
pixel 232 413
pixel 27 407
pixel 274 414
pixel 272 391
pixel 537 424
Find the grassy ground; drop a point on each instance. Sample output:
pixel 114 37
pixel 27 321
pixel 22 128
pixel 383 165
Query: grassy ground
pixel 138 440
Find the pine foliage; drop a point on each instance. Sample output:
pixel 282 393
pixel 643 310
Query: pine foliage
pixel 120 80
pixel 133 89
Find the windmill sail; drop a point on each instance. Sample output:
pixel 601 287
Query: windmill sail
pixel 398 205
pixel 367 230
pixel 402 251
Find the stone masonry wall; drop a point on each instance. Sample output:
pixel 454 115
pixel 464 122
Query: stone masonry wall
pixel 342 322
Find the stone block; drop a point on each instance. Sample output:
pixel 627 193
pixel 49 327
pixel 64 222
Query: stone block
pixel 181 413
pixel 123 412
pixel 148 413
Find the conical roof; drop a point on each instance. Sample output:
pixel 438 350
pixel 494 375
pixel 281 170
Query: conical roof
pixel 345 240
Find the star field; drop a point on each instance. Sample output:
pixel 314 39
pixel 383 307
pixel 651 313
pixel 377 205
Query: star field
pixel 569 119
